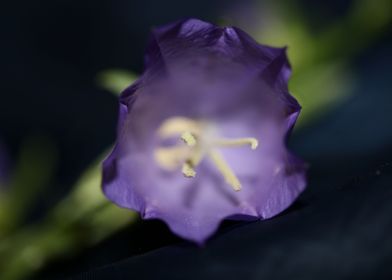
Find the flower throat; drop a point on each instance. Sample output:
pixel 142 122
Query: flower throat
pixel 199 142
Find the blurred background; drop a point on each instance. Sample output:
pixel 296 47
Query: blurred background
pixel 65 62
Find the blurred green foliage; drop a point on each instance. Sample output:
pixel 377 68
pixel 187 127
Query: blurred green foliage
pixel 82 219
pixel 115 80
pixel 33 173
pixel 322 77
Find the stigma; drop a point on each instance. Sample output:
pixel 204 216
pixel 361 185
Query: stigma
pixel 199 142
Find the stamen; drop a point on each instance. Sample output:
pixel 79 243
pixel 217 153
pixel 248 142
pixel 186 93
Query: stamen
pixel 225 169
pixel 222 142
pixel 177 125
pixel 170 158
pixel 188 138
pixel 188 170
pixel 199 142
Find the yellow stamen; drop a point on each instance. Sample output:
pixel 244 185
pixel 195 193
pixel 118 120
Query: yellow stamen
pixel 253 142
pixel 188 138
pixel 170 158
pixel 199 142
pixel 225 169
pixel 177 125
pixel 188 170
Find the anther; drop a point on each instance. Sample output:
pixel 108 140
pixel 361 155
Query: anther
pixel 188 170
pixel 188 138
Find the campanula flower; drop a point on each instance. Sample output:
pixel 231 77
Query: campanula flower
pixel 202 133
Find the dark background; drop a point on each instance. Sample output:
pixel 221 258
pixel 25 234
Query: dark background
pixel 340 228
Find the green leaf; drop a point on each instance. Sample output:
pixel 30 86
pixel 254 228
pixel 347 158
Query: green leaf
pixel 115 80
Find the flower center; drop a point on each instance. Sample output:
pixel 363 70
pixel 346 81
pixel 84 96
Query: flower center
pixel 200 141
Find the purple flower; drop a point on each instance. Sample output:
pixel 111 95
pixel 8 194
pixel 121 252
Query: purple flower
pixel 201 134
